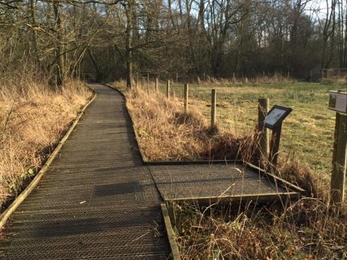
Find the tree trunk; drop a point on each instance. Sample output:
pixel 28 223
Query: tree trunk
pixel 34 36
pixel 60 57
pixel 129 37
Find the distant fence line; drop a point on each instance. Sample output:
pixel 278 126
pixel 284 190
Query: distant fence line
pixel 334 74
pixel 142 77
pixel 147 78
pixel 315 75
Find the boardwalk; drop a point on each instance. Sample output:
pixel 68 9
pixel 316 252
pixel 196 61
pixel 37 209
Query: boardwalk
pixel 214 182
pixel 97 201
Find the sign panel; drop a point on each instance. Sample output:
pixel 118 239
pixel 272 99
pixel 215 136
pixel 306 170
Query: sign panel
pixel 276 115
pixel 338 101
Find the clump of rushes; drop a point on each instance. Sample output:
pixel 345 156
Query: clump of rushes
pixel 33 117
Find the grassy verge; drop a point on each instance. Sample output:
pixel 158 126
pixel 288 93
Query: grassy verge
pixel 33 117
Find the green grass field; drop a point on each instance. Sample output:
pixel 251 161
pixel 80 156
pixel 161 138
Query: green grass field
pixel 307 133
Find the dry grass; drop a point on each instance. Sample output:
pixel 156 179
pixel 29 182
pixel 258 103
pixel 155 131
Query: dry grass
pixel 305 230
pixel 157 122
pixel 265 79
pixel 166 133
pixel 33 117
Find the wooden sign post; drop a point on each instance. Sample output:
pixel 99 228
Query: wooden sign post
pixel 263 151
pixel 168 90
pixel 213 108
pixel 156 85
pixel 273 121
pixel 338 103
pixel 186 90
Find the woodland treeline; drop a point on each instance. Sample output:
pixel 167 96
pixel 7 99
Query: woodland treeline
pixel 109 40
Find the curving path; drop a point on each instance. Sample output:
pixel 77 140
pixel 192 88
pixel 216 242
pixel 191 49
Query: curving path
pixel 97 201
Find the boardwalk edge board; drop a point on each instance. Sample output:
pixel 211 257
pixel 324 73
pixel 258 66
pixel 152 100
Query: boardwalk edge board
pixel 32 185
pixel 170 233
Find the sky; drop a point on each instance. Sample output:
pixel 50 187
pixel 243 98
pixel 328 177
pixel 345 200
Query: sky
pixel 318 8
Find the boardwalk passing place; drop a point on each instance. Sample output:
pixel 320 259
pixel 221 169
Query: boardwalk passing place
pixel 97 200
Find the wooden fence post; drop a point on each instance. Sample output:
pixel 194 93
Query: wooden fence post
pixel 263 107
pixel 338 177
pixel 156 84
pixel 137 79
pixel 213 108
pixel 168 89
pixel 186 89
pixel 148 85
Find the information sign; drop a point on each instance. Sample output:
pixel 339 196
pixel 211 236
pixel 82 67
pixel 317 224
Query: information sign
pixel 276 115
pixel 338 101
